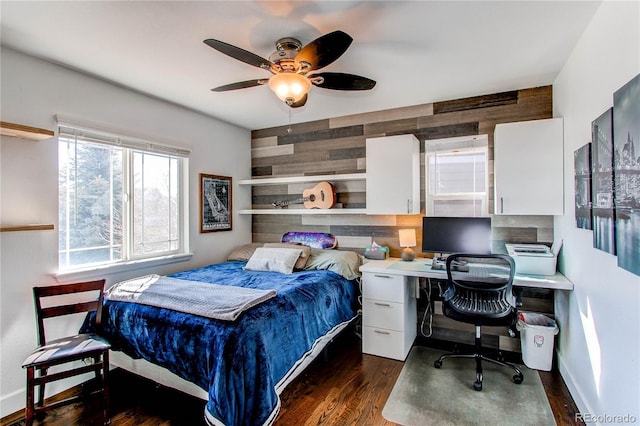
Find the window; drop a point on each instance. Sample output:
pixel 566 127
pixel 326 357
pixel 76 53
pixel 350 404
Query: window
pixel 119 199
pixel 456 176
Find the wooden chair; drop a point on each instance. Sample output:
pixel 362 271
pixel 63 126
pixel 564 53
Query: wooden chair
pixel 68 349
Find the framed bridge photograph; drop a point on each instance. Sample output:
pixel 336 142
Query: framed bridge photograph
pixel 215 203
pixel 626 154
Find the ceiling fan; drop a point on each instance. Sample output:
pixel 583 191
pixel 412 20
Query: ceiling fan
pixel 294 67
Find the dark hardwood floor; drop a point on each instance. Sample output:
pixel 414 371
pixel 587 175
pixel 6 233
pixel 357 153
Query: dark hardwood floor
pixel 344 387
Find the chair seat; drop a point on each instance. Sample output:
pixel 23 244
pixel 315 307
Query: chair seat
pixel 66 349
pixel 508 319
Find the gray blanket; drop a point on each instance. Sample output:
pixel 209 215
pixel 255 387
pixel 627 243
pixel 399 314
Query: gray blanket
pixel 208 300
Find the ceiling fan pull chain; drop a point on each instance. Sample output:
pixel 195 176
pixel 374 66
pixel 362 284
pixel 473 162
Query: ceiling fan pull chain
pixel 289 130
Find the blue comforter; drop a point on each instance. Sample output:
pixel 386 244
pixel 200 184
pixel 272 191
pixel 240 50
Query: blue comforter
pixel 239 363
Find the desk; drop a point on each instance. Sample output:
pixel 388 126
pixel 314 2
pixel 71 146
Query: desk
pixel 422 268
pixel 389 291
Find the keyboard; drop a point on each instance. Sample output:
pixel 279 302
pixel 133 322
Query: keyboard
pixel 440 265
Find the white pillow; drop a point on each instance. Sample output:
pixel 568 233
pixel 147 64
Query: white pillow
pixel 273 259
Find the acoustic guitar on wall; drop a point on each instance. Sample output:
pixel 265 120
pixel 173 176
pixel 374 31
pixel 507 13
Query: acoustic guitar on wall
pixel 321 196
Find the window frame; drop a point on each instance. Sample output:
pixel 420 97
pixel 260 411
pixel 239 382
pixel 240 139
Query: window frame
pixel 457 146
pixel 131 146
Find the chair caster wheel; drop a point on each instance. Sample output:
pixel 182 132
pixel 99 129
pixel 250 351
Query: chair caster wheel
pixel 477 385
pixel 517 379
pixel 437 363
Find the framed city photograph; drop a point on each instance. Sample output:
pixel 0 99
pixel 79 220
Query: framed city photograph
pixel 603 221
pixel 215 203
pixel 626 154
pixel 582 175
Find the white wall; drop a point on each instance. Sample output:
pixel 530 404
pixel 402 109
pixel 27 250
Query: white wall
pixel 599 340
pixel 32 92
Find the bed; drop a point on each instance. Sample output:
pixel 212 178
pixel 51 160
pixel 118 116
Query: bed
pixel 241 365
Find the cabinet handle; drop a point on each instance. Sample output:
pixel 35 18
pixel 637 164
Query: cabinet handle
pixel 501 205
pixel 408 206
pixel 381 332
pixel 381 304
pixel 381 276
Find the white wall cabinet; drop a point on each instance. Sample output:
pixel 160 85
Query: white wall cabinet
pixel 393 175
pixel 528 164
pixel 388 314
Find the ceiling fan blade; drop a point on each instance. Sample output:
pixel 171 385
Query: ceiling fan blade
pixel 342 81
pixel 323 50
pixel 300 103
pixel 240 85
pixel 239 54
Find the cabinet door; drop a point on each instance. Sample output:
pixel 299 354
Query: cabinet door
pixel 528 164
pixel 393 175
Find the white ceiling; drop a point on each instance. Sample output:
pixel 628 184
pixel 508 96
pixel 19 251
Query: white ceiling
pixel 417 51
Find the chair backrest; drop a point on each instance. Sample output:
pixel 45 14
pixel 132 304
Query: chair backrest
pixel 481 284
pixel 55 308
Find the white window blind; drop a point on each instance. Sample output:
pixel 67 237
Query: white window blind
pixel 107 135
pixel 456 175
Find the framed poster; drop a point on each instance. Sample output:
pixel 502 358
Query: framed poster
pixel 603 220
pixel 626 160
pixel 582 177
pixel 215 203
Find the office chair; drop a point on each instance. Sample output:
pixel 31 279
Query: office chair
pixel 479 292
pixel 61 351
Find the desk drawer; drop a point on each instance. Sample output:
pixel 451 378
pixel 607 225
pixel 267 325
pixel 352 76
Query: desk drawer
pixel 382 286
pixel 386 343
pixel 387 315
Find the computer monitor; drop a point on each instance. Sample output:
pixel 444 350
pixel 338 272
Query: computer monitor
pixel 445 235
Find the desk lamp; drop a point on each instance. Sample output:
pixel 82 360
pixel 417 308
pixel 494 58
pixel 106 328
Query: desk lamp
pixel 407 240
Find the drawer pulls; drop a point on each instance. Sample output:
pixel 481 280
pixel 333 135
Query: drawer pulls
pixel 381 304
pixel 381 276
pixel 381 332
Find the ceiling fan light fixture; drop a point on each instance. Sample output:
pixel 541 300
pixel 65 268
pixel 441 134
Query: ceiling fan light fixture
pixel 289 87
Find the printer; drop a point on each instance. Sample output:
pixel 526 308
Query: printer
pixel 534 259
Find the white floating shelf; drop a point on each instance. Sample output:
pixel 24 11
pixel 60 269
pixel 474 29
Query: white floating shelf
pixel 24 132
pixel 303 211
pixel 302 179
pixel 36 227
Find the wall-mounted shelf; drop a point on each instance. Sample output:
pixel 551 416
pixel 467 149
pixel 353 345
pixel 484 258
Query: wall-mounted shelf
pixel 44 227
pixel 303 211
pixel 24 132
pixel 303 179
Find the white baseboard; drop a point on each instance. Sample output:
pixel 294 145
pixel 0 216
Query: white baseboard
pixel 17 400
pixel 572 385
pixel 12 402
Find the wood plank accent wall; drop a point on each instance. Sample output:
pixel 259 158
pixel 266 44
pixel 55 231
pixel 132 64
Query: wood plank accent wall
pixel 337 145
